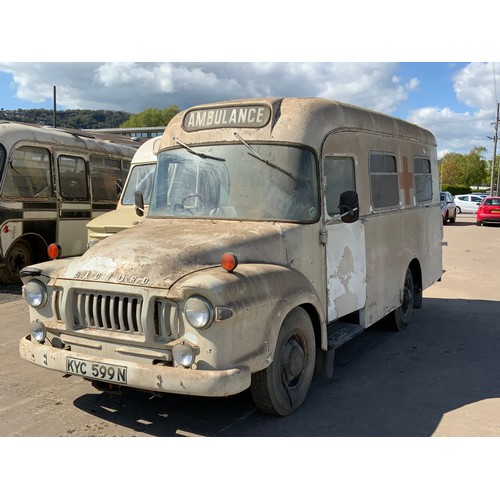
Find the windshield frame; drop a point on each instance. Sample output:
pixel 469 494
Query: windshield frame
pixel 314 179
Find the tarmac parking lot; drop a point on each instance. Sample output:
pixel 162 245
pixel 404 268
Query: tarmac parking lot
pixel 439 377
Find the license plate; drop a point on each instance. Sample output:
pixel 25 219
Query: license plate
pixel 99 371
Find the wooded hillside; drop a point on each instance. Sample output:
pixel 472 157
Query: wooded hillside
pixel 78 118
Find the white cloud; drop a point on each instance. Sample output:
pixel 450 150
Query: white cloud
pixel 475 85
pixel 134 87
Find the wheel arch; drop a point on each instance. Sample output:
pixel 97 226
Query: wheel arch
pixel 37 244
pixel 416 271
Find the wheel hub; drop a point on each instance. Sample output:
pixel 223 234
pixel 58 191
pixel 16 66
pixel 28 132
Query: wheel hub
pixel 293 360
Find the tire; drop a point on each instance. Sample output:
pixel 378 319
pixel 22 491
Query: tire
pixel 282 387
pixel 459 210
pixel 445 218
pixel 19 255
pixel 400 317
pixel 478 223
pixel 454 218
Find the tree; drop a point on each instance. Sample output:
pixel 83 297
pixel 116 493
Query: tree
pixel 475 167
pixel 151 117
pixel 467 170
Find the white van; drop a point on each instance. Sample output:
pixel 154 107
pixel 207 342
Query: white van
pixel 140 178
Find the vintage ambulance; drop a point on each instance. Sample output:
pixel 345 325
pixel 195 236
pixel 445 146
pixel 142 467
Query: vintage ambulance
pixel 278 229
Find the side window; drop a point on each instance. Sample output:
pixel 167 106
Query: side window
pixel 106 178
pixel 339 173
pixel 28 173
pixel 384 180
pixel 423 179
pixel 73 178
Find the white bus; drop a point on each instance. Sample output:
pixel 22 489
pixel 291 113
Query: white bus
pixel 277 230
pixel 140 177
pixel 52 182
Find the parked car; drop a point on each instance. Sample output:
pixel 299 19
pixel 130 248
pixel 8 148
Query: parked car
pixel 488 211
pixel 448 207
pixel 468 203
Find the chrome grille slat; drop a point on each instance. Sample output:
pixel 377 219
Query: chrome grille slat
pixel 114 312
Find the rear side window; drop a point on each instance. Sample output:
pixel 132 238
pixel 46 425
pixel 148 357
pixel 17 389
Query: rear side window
pixel 384 180
pixel 73 178
pixel 106 178
pixel 423 179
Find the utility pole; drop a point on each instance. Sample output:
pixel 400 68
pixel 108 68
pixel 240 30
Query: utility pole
pixel 495 154
pixel 55 108
pixel 495 138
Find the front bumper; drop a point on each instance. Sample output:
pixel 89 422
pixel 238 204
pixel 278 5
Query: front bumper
pixel 154 378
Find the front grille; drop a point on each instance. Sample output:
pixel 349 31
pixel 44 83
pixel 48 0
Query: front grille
pixel 107 311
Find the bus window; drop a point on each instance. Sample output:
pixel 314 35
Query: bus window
pixel 423 179
pixel 106 175
pixel 384 180
pixel 28 173
pixel 73 177
pixel 339 172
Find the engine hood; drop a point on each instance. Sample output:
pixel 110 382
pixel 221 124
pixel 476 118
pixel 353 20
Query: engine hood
pixel 159 252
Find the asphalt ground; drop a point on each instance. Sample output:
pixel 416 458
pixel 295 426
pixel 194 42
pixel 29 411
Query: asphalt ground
pixel 440 377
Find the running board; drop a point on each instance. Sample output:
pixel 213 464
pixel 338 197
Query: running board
pixel 338 333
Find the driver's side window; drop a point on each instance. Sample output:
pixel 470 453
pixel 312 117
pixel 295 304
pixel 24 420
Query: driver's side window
pixel 340 177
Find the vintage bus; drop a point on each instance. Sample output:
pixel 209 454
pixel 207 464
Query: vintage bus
pixel 277 230
pixel 140 177
pixel 52 182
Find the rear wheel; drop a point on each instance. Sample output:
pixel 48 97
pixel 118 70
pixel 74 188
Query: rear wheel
pixel 400 317
pixel 18 256
pixel 282 387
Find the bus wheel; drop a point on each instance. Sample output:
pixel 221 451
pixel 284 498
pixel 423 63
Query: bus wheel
pixel 18 256
pixel 283 385
pixel 402 315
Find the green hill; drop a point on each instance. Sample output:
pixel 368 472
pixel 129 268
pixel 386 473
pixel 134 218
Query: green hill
pixel 70 118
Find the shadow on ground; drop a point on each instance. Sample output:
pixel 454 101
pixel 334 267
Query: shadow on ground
pixel 385 384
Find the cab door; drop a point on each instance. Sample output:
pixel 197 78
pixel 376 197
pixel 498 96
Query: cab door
pixel 345 243
pixel 74 207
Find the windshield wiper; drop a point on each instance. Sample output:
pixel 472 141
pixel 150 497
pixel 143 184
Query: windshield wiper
pixel 259 157
pixel 197 153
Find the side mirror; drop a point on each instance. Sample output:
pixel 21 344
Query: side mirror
pixel 349 207
pixel 139 203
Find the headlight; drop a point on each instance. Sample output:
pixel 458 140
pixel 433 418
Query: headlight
pixel 183 354
pixel 35 294
pixel 199 312
pixel 38 331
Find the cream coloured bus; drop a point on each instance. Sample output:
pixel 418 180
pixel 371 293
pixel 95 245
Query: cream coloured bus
pixel 140 177
pixel 277 230
pixel 52 182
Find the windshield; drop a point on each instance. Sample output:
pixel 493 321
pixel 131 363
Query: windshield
pixel 231 181
pixel 140 179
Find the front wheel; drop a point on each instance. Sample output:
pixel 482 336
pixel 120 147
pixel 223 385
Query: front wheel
pixel 19 255
pixel 282 387
pixel 400 317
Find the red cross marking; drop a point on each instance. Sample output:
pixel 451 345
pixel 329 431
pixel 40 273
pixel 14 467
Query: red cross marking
pixel 406 180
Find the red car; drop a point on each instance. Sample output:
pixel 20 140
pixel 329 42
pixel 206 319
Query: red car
pixel 488 211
